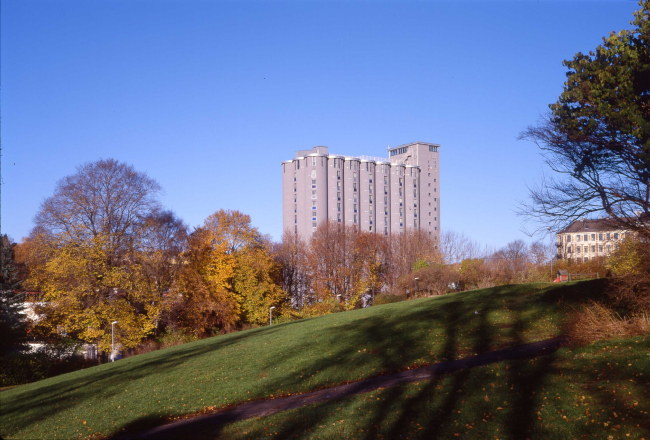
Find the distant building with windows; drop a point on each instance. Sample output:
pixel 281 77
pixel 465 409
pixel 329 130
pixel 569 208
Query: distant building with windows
pixel 588 240
pixel 374 194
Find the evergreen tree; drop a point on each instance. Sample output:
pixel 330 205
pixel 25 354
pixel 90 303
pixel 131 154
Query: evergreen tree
pixel 13 327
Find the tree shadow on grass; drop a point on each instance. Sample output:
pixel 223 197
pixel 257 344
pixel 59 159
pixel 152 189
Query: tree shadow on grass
pixel 378 332
pixel 391 342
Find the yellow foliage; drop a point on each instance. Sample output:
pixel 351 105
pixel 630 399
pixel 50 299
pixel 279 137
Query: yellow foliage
pixel 85 290
pixel 626 259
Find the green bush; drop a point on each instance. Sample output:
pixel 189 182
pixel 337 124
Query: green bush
pixel 386 298
pixel 20 368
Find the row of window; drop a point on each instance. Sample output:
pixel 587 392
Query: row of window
pixel 590 237
pixel 586 248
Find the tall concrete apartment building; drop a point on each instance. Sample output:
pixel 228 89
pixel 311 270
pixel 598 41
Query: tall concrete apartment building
pixel 374 194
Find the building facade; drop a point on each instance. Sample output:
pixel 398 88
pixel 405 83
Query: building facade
pixel 588 240
pixel 373 194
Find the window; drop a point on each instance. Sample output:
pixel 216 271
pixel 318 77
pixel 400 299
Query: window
pixel 338 174
pixel 355 177
pixel 314 224
pixel 593 237
pixel 295 219
pixel 313 192
pixel 600 248
pixel 338 185
pixel 338 196
pixel 415 193
pixel 429 184
pixel 609 238
pixel 577 238
pixel 354 186
pixel 385 190
pixel 609 248
pixel 433 149
pixel 338 217
pixel 385 200
pixel 593 248
pixel 578 249
pixel 355 218
pixel 586 259
pixel 385 180
pixel 338 207
pixel 429 213
pixel 355 208
pixel 585 237
pixel 415 223
pixel 615 235
pixel 600 237
pixel 568 239
pixel 313 161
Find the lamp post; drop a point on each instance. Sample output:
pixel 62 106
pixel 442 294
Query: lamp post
pixel 113 341
pixel 271 315
pixel 550 235
pixel 416 287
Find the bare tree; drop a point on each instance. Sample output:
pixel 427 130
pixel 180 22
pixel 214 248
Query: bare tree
pixel 105 197
pixel 290 254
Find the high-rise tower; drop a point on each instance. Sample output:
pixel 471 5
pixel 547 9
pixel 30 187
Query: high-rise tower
pixel 380 195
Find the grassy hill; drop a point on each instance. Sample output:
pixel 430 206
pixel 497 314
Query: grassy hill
pixel 284 359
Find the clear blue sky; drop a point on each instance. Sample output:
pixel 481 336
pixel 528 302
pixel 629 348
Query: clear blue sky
pixel 209 97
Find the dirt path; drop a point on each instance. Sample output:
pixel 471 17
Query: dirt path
pixel 266 407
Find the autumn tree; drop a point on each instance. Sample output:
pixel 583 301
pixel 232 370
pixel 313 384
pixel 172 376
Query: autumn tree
pixel 597 135
pixel 433 280
pixel 509 264
pixel 88 252
pixel 230 275
pixel 200 299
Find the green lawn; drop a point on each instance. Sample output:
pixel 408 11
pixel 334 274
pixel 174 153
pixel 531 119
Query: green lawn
pixel 294 357
pixel 597 392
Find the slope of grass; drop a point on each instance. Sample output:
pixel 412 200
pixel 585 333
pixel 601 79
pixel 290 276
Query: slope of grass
pixel 299 356
pixel 598 392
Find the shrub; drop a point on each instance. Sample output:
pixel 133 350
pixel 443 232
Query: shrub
pixel 596 321
pixel 20 368
pixel 386 298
